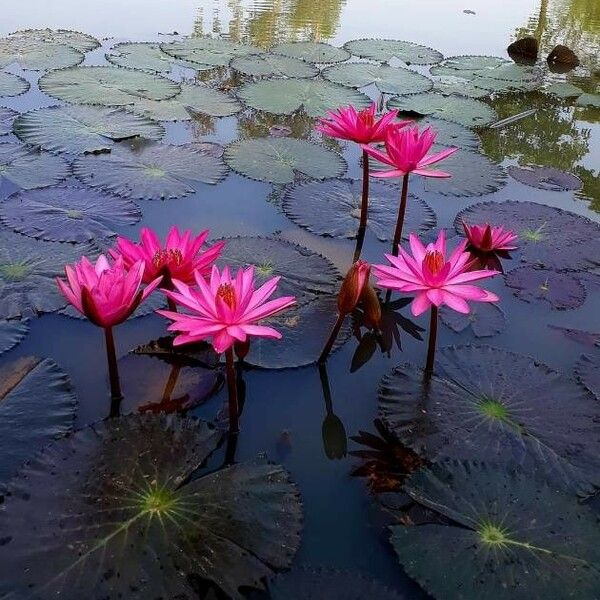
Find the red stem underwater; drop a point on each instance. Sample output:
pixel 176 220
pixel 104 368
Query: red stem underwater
pixel 401 213
pixel 113 371
pixel 433 325
pixel 234 411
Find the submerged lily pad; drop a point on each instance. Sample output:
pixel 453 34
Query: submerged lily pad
pixel 192 99
pixel 385 50
pixel 37 405
pixel 389 80
pixel 465 111
pixel 561 290
pixel 154 172
pixel 587 370
pixel 505 535
pixel 7 116
pixel 207 52
pixel 119 515
pixel 76 39
pixel 278 160
pixel 37 55
pixel 485 319
pixel 107 86
pixel 285 96
pixel 304 273
pixel 197 354
pixel 29 169
pixel 332 209
pixel 12 85
pixel 12 333
pixel 312 52
pixel 146 56
pixel 548 236
pixel 492 405
pixel 546 178
pixel 81 129
pixel 273 65
pixel 67 214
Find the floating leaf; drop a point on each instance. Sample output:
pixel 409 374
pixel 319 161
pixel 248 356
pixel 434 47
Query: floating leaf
pixel 587 370
pixel 197 354
pixel 278 160
pixel 304 273
pixel 107 86
pixel 154 172
pixel 451 85
pixel 546 178
pixel 473 63
pixel 548 236
pixel 146 56
pixel 592 100
pixel 80 129
pixel 12 333
pixel 192 99
pixel 451 134
pixel 273 65
pixel 332 209
pixel 29 169
pixel 466 111
pixel 37 55
pixel 492 405
pixel 12 85
pixel 587 338
pixel 561 290
pixel 28 269
pixel 285 96
pixel 505 535
pixel 389 80
pixel 485 319
pixel 564 89
pixel 80 41
pixel 7 116
pixel 385 50
pixel 37 405
pixel 114 506
pixel 312 52
pixel 67 214
pixel 207 52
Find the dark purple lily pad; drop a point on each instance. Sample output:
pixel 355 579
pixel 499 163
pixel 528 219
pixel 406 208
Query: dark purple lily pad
pixel 548 237
pixel 7 116
pixel 546 178
pixel 12 333
pixel 485 319
pixel 67 214
pixel 587 338
pixel 588 371
pixel 489 404
pixel 561 290
pixel 332 209
pixel 29 169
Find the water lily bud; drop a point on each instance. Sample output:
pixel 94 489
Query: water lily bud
pixel 371 307
pixel 352 286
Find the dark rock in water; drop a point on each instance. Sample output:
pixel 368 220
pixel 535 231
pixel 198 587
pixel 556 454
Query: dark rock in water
pixel 563 56
pixel 526 47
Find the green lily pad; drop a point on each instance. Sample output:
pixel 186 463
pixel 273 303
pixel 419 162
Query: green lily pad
pixel 285 96
pixel 82 129
pixel 154 172
pixel 332 209
pixel 505 535
pixel 304 273
pixel 67 214
pixel 29 169
pixel 474 63
pixel 278 160
pixel 12 85
pixel 80 41
pixel 273 65
pixel 312 52
pixel 12 333
pixel 7 117
pixel 485 319
pixel 389 80
pixel 107 86
pixel 37 405
pixel 451 85
pixel 587 370
pixel 451 134
pixel 564 89
pixel 465 111
pixel 37 55
pixel 119 515
pixel 207 52
pixel 592 100
pixel 192 99
pixel 385 50
pixel 146 56
pixel 492 405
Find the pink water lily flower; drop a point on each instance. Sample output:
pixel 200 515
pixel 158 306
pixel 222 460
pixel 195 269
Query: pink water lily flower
pixel 435 279
pixel 406 151
pixel 486 238
pixel 178 258
pixel 225 309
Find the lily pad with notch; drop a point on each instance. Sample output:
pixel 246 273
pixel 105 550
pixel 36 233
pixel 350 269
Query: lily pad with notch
pixel 489 404
pixel 386 50
pixel 36 55
pixel 587 370
pixel 147 56
pixel 67 214
pixel 314 96
pixel 332 209
pixel 278 160
pixel 485 320
pixel 83 129
pixel 121 515
pixel 153 172
pixel 205 52
pixel 12 85
pixel 29 169
pixel 12 333
pixel 546 178
pixel 7 117
pixel 269 64
pixel 500 534
pixel 76 39
pixel 312 52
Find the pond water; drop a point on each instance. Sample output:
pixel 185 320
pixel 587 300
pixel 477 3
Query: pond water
pixel 291 414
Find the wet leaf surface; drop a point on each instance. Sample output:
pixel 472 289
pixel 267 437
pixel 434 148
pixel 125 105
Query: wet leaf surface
pixel 37 55
pixel 145 56
pixel 207 52
pixel 119 515
pixel 76 39
pixel 546 178
pixel 12 85
pixel 484 320
pixel 588 338
pixel 492 405
pixel 273 65
pixel 29 169
pixel 385 50
pixel 312 52
pixel 563 89
pixel 589 100
pixel 7 117
pixel 12 333
pixel 587 370
pixel 451 134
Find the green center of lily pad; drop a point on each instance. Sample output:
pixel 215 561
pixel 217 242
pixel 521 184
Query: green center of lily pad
pixel 155 172
pixel 492 535
pixel 157 501
pixel 75 214
pixel 264 269
pixel 533 235
pixel 14 271
pixel 493 409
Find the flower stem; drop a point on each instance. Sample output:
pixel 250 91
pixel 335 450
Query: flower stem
pixel 433 325
pixel 332 337
pixel 113 371
pixel 171 383
pixel 234 412
pixel 172 305
pixel 364 211
pixel 401 213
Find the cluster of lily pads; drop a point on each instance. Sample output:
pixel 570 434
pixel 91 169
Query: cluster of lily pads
pixel 115 504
